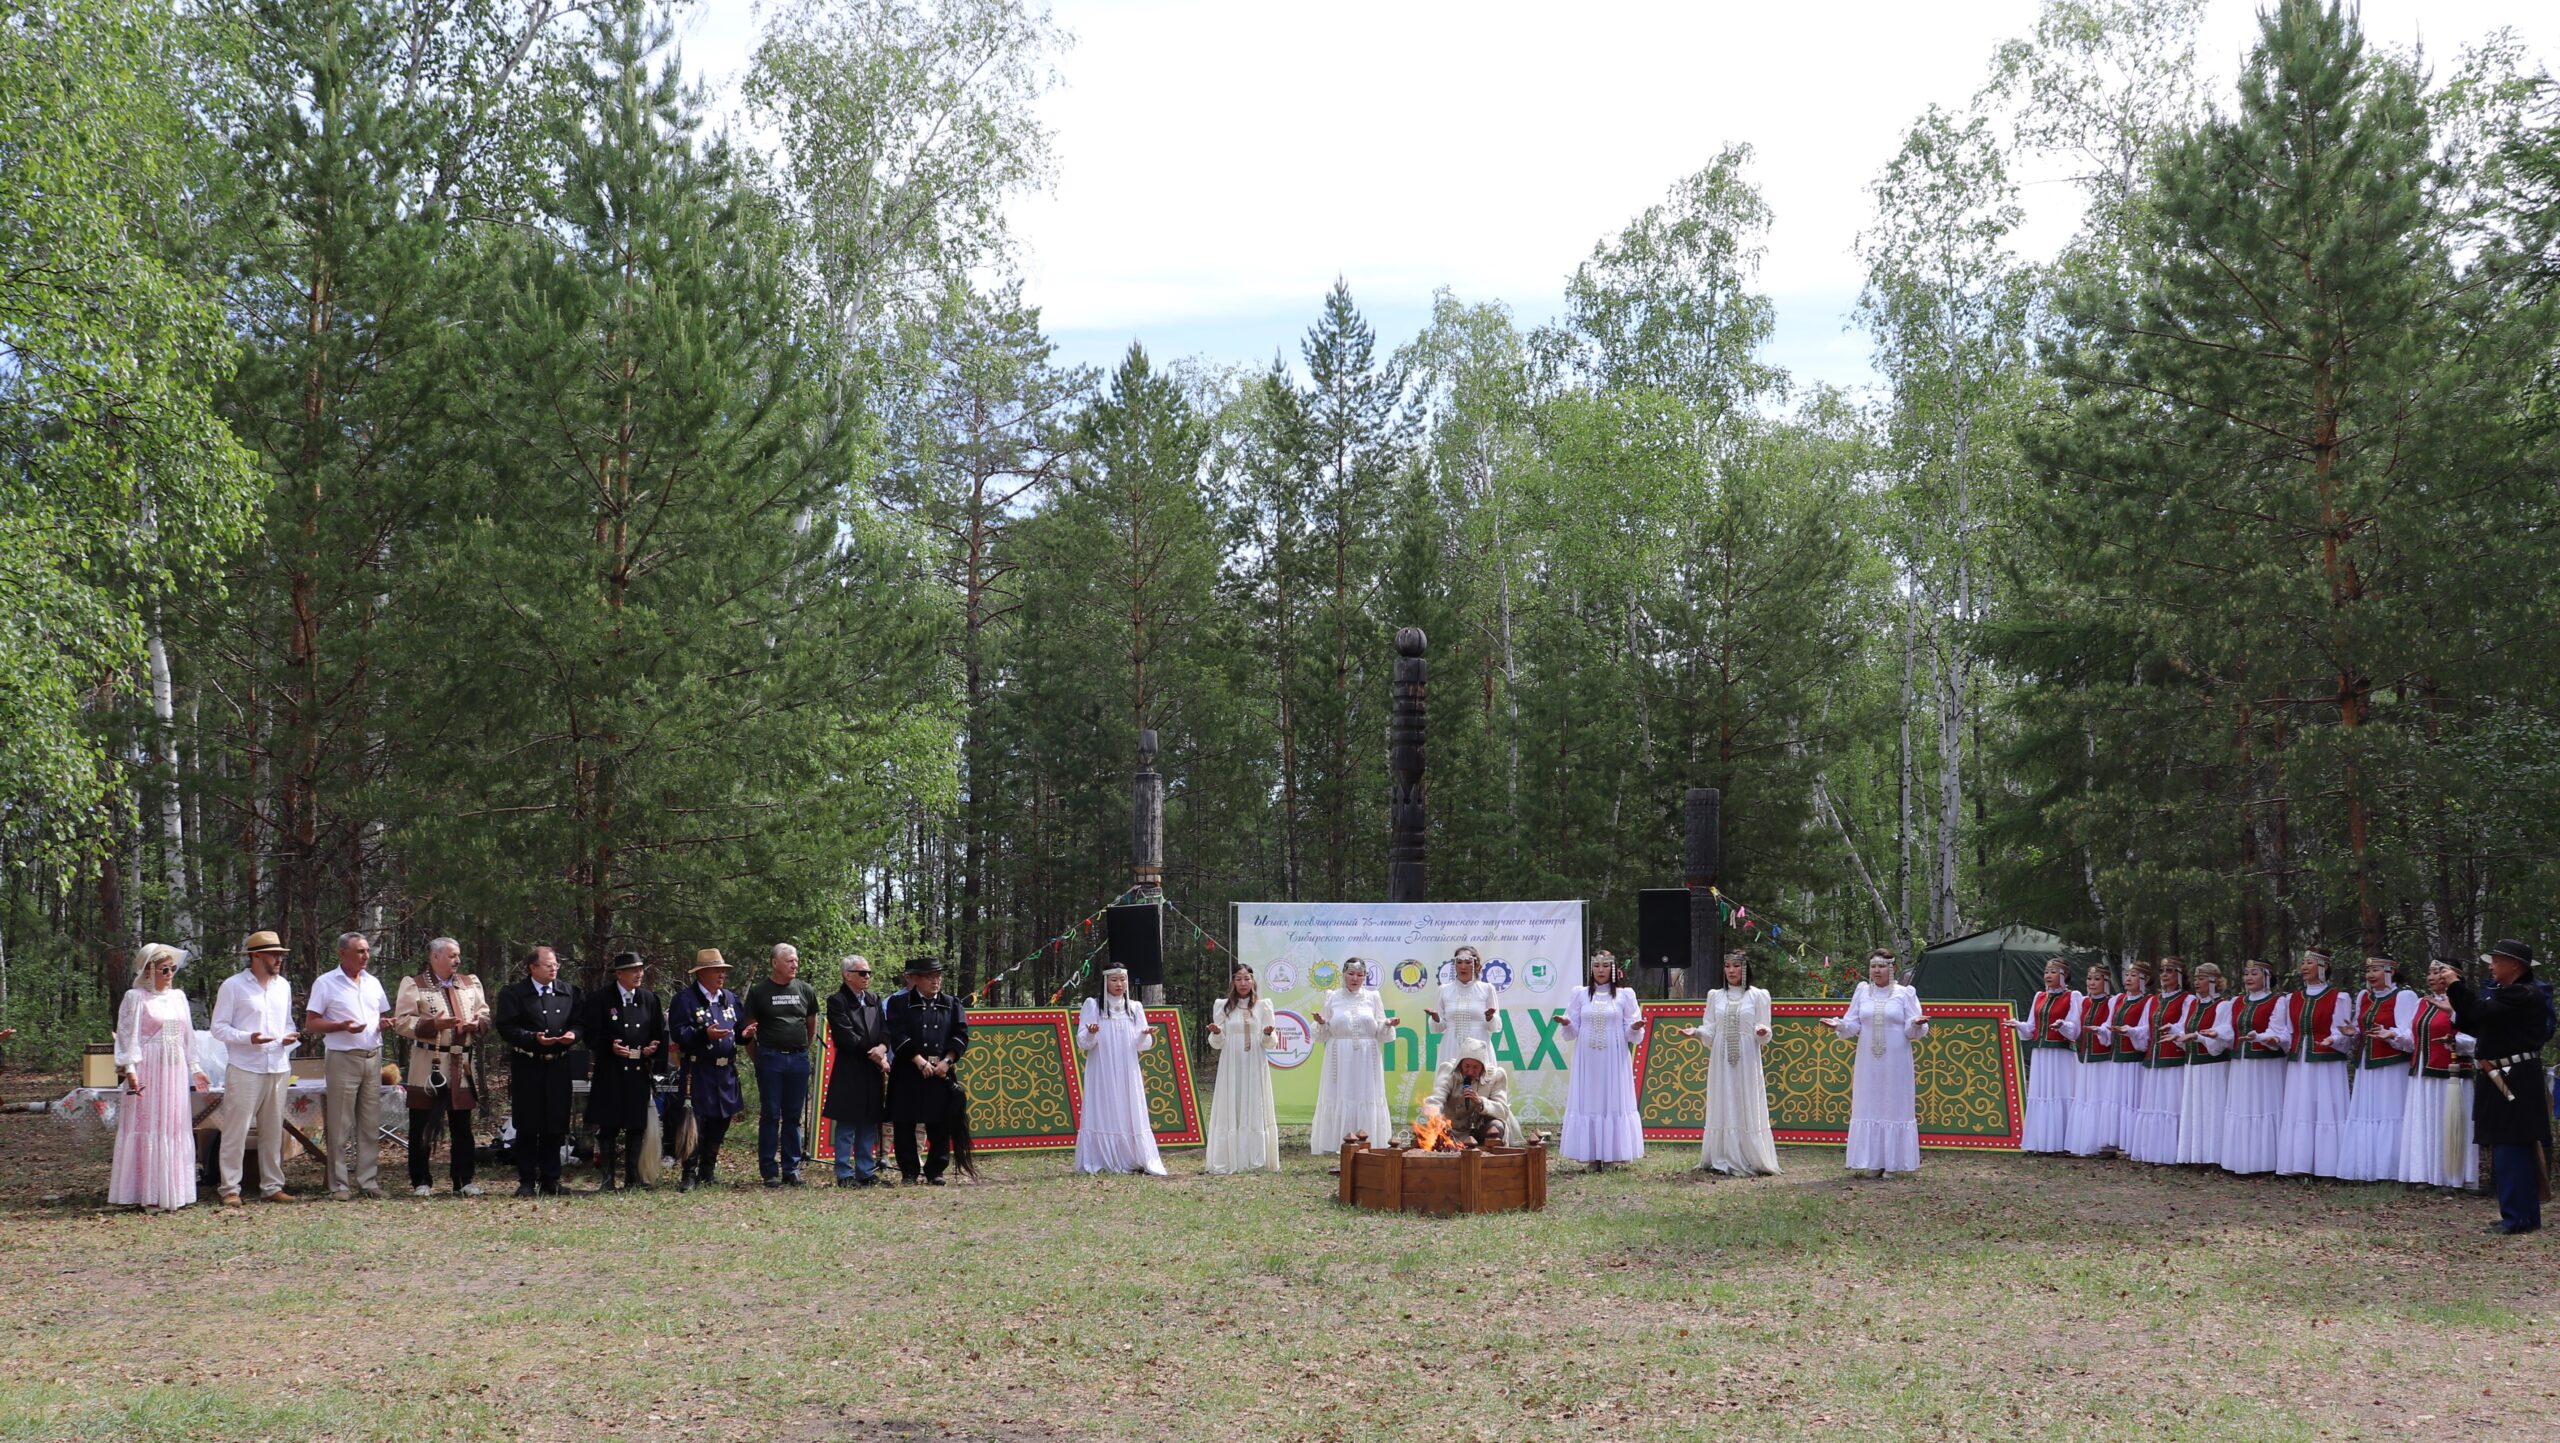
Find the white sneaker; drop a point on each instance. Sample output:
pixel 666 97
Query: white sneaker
pixel 422 1191
pixel 469 1189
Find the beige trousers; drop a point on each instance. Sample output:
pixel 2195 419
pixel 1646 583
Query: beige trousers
pixel 354 1112
pixel 253 1100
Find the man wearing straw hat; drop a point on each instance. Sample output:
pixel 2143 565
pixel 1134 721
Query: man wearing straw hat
pixel 703 1023
pixel 253 1020
pixel 2510 1104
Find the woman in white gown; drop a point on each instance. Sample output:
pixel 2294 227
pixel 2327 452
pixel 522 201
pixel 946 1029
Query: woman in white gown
pixel 154 1161
pixel 1465 1013
pixel 1604 1023
pixel 2256 1089
pixel 1115 1133
pixel 2205 1098
pixel 1351 1092
pixel 1735 1138
pixel 2093 1089
pixel 1883 1019
pixel 2053 1068
pixel 1244 1132
pixel 2435 1114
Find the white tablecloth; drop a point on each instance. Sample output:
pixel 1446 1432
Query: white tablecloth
pixel 303 1102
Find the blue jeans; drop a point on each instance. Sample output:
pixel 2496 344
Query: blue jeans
pixel 782 1095
pixel 857 1151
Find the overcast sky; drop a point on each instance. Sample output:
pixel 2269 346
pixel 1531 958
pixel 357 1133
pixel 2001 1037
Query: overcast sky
pixel 1219 163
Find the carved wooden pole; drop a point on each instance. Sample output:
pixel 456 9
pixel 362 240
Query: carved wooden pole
pixel 1705 808
pixel 1146 869
pixel 1405 818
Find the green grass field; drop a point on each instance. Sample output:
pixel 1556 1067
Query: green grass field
pixel 1989 1296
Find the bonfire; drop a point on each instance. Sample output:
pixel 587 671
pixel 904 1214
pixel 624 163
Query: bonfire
pixel 1432 1133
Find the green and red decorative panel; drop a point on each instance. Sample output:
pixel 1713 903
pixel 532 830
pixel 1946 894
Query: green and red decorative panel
pixel 1026 1081
pixel 1965 1070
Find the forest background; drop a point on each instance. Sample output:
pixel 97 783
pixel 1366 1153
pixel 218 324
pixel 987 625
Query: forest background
pixel 451 488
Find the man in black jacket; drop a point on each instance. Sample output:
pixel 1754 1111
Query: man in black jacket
pixel 2510 1107
pixel 626 1027
pixel 537 1014
pixel 857 1070
pixel 928 1034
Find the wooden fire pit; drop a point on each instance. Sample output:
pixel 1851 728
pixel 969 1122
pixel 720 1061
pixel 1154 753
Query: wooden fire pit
pixel 1479 1180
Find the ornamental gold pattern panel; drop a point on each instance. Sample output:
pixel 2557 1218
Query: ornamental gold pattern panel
pixel 1965 1070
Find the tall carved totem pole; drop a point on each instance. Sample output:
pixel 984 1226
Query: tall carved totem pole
pixel 1405 817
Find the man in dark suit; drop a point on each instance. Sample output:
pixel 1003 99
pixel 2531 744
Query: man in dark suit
pixel 857 1074
pixel 2510 1106
pixel 928 1035
pixel 626 1029
pixel 537 1015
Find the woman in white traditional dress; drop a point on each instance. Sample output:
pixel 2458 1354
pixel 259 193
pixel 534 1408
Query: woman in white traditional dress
pixel 2160 1083
pixel 1883 1019
pixel 2204 1096
pixel 2053 1067
pixel 1736 1139
pixel 1115 1134
pixel 154 1162
pixel 2379 1090
pixel 2256 1089
pixel 1465 1013
pixel 1244 1131
pixel 2124 1032
pixel 1604 1023
pixel 2435 1114
pixel 2094 1114
pixel 1351 1092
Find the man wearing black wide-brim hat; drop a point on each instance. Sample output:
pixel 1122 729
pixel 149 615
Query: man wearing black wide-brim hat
pixel 928 1033
pixel 2510 1107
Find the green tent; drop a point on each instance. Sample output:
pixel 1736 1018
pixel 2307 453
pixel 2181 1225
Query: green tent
pixel 2002 962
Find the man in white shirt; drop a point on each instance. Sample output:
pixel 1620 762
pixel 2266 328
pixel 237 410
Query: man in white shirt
pixel 346 1008
pixel 253 1020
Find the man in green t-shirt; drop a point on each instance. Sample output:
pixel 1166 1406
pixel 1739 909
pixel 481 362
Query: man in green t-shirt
pixel 779 1013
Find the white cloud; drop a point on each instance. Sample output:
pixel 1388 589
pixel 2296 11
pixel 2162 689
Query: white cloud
pixel 1221 163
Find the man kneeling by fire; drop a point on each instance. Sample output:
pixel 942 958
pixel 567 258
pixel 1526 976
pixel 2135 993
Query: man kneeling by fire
pixel 1472 1110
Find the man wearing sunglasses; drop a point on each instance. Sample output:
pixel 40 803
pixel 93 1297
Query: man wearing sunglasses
pixel 858 1046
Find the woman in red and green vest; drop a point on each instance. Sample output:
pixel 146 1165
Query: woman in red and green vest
pixel 2094 1118
pixel 2435 1115
pixel 2204 1086
pixel 2053 1064
pixel 2256 1114
pixel 2314 1020
pixel 2161 1086
pixel 2380 1085
pixel 2127 1032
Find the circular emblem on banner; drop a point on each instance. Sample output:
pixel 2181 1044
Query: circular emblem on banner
pixel 1410 974
pixel 1323 975
pixel 1283 978
pixel 1542 975
pixel 1447 971
pixel 1292 1041
pixel 1497 974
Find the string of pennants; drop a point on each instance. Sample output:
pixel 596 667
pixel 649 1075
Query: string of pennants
pixel 1083 927
pixel 1736 914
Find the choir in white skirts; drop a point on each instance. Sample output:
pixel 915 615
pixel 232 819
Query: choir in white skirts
pixel 1115 1133
pixel 2094 1114
pixel 1735 1139
pixel 2204 1095
pixel 2379 1084
pixel 2313 1020
pixel 2435 1113
pixel 1244 1127
pixel 1351 1091
pixel 2052 1020
pixel 1884 1019
pixel 1603 1022
pixel 2160 1089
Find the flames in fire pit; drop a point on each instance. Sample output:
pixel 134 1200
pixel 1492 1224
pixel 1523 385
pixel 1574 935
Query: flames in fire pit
pixel 1431 1133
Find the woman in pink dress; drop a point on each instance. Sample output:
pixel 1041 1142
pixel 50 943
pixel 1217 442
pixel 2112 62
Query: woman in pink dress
pixel 155 1158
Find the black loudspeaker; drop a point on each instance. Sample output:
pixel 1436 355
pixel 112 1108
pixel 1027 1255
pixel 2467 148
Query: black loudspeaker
pixel 1662 927
pixel 1137 943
